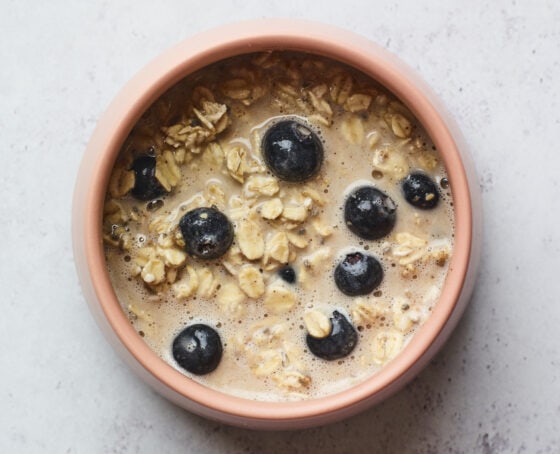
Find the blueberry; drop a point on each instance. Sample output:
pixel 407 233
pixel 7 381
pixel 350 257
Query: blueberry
pixel 207 232
pixel 358 274
pixel 419 190
pixel 338 344
pixel 369 213
pixel 292 151
pixel 198 349
pixel 146 185
pixel 288 274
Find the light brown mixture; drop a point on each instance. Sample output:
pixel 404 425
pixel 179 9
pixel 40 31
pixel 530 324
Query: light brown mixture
pixel 206 135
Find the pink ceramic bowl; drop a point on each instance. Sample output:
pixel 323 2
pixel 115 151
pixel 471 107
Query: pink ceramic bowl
pixel 143 90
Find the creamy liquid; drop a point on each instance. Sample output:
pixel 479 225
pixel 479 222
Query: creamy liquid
pixel 352 144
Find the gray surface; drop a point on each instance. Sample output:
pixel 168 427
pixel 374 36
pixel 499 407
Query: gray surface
pixel 495 386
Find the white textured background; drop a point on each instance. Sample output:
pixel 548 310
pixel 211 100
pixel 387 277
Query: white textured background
pixel 495 387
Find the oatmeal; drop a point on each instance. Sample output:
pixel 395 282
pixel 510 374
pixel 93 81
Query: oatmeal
pixel 277 226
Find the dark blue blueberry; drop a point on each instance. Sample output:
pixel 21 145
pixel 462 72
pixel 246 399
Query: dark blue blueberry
pixel 358 274
pixel 370 213
pixel 146 185
pixel 207 232
pixel 198 349
pixel 338 344
pixel 288 274
pixel 419 190
pixel 292 151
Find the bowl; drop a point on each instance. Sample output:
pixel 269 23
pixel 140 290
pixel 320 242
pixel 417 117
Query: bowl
pixel 162 73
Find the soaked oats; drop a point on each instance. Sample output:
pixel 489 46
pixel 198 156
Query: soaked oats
pixel 202 145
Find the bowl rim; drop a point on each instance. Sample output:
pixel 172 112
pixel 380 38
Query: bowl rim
pixel 247 37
